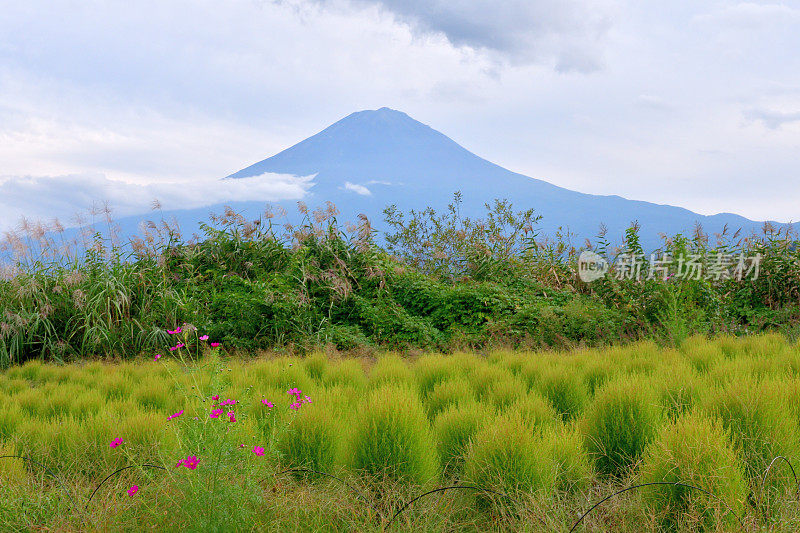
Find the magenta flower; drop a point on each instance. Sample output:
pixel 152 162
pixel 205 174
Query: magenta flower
pixel 231 416
pixel 173 348
pixel 214 344
pixel 204 338
pixel 190 462
pixel 268 404
pixel 297 392
pixel 295 406
pixel 133 490
pixel 258 450
pixel 180 345
pixel 116 442
pixel 176 415
pixel 157 357
pixel 227 402
pixel 215 413
pixel 215 397
pixel 306 399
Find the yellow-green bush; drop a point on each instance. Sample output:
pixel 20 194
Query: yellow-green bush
pixel 621 420
pixel 390 437
pixel 693 450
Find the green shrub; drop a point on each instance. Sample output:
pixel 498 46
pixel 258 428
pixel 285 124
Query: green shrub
pixel 678 388
pixel 454 428
pixel 701 353
pixel 390 437
pixel 446 393
pixel 431 370
pixel 316 366
pixel 566 391
pixel 496 385
pixel 564 445
pixel 347 372
pixel 619 423
pixel 757 419
pixel 693 450
pixel 11 416
pixel 506 456
pixel 311 439
pixel 535 411
pixel 391 368
pixel 596 372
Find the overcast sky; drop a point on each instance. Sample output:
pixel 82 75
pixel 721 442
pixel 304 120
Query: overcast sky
pixel 691 103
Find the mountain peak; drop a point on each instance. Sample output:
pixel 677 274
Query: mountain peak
pixel 372 138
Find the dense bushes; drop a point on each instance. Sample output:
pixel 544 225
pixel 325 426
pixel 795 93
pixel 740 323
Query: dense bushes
pixel 441 283
pixel 397 427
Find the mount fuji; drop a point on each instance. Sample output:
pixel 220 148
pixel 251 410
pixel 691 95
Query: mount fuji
pixel 371 159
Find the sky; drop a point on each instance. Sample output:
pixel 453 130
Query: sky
pixel 688 103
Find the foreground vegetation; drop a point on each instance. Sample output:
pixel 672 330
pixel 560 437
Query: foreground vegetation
pixel 433 281
pixel 532 440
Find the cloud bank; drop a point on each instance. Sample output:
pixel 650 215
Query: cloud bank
pixel 49 197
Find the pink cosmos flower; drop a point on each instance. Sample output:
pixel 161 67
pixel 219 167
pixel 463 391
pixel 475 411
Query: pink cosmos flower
pixel 133 490
pixel 190 462
pixel 214 344
pixel 268 404
pixel 116 442
pixel 180 345
pixel 215 413
pixel 231 416
pixel 295 406
pixel 204 338
pixel 173 348
pixel 306 399
pixel 157 357
pixel 242 445
pixel 176 415
pixel 227 402
pixel 258 450
pixel 215 397
pixel 297 392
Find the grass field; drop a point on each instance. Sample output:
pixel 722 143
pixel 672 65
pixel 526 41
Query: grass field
pixel 531 440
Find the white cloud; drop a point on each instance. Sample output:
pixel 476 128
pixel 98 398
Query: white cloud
pixel 48 197
pixel 773 119
pixel 358 189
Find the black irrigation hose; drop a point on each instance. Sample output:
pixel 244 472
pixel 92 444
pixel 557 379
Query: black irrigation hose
pixel 766 473
pixel 434 491
pixel 442 489
pixel 114 474
pixel 672 483
pixel 47 471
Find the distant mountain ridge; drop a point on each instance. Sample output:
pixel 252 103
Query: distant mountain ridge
pixel 371 159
